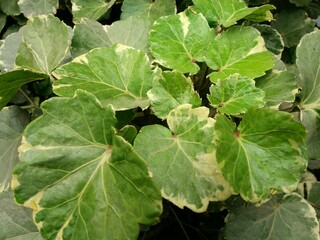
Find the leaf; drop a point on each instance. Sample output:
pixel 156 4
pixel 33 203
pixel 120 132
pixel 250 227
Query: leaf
pixel 10 7
pixel 12 122
pixel 15 221
pixel 10 83
pixel 180 40
pixel 287 217
pixel 128 133
pixel 120 76
pixel 93 9
pixel 292 24
pixel 182 159
pixel 300 3
pixel 313 192
pixel 3 20
pixel 31 8
pixel 171 91
pixel 279 86
pixel 228 12
pixel 151 9
pixel 235 95
pixel 238 50
pixel 265 153
pixel 45 42
pixel 93 185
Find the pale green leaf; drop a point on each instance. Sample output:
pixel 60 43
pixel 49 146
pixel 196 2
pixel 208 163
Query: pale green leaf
pixel 228 12
pixel 171 91
pixel 287 217
pixel 12 122
pixel 92 9
pixel 235 95
pixel 31 8
pixel 15 221
pixel 81 180
pixel 182 158
pixel 10 83
pixel 265 153
pixel 120 76
pixel 151 9
pixel 45 43
pixel 10 7
pixel 238 50
pixel 300 3
pixel 180 40
pixel 292 24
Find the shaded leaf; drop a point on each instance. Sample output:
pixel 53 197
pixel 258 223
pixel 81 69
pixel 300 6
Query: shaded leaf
pixel 31 8
pixel 128 132
pixel 3 20
pixel 10 7
pixel 300 3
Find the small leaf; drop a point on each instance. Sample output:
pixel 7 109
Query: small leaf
pixel 265 152
pixel 238 50
pixel 31 8
pixel 82 180
pixel 13 120
pixel 288 217
pixel 10 7
pixel 180 40
pixel 45 42
pixel 171 91
pixel 182 159
pixel 235 95
pixel 128 133
pixel 120 76
pixel 3 20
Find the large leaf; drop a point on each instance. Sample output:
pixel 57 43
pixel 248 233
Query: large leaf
pixel 81 180
pixel 238 50
pixel 308 63
pixel 182 158
pixel 10 83
pixel 288 217
pixel 171 91
pixel 12 122
pixel 266 152
pixel 15 221
pixel 119 75
pixel 228 12
pixel 31 8
pixel 45 42
pixel 151 9
pixel 179 41
pixel 93 9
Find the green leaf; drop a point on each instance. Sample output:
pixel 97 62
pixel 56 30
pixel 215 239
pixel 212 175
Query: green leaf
pixel 10 7
pixel 81 180
pixel 238 50
pixel 3 20
pixel 279 86
pixel 228 12
pixel 235 95
pixel 12 122
pixel 10 83
pixel 171 91
pixel 312 197
pixel 292 24
pixel 266 152
pixel 300 3
pixel 120 76
pixel 288 217
pixel 15 221
pixel 45 42
pixel 180 40
pixel 128 133
pixel 93 9
pixel 31 8
pixel 182 159
pixel 151 9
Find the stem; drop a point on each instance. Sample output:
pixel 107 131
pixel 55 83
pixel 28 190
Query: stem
pixel 32 105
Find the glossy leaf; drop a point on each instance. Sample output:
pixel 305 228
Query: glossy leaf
pixel 238 50
pixel 235 95
pixel 120 76
pixel 182 158
pixel 13 120
pixel 45 42
pixel 179 41
pixel 93 185
pixel 31 8
pixel 288 217
pixel 265 153
pixel 171 91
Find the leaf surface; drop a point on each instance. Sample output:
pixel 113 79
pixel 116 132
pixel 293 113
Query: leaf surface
pixel 182 158
pixel 300 3
pixel 120 76
pixel 265 152
pixel 93 185
pixel 10 7
pixel 31 8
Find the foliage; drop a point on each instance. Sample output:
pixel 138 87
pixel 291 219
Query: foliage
pixel 123 119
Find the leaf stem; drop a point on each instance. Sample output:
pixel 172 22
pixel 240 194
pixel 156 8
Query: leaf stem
pixel 32 105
